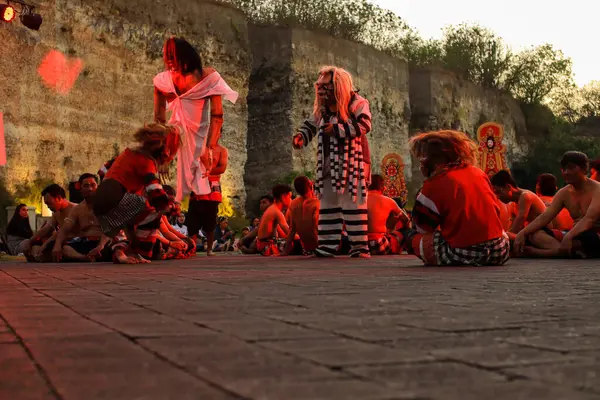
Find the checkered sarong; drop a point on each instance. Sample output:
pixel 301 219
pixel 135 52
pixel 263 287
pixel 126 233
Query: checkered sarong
pixel 130 206
pixel 492 252
pixel 270 247
pixel 380 246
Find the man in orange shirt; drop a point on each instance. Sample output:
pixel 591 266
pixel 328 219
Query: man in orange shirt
pixel 383 211
pixel 303 217
pixel 546 188
pixel 456 214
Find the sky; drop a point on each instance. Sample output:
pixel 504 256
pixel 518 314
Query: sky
pixel 571 26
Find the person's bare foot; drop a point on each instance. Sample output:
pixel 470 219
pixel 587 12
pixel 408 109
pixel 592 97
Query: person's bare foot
pixel 142 260
pixel 210 254
pixel 122 258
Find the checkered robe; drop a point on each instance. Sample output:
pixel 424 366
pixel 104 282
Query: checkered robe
pixel 345 162
pixel 434 250
pixel 390 243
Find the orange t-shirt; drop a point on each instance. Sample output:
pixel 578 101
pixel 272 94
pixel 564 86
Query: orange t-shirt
pixel 461 203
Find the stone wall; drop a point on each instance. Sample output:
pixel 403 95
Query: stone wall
pixel 286 65
pixel 441 100
pixel 55 137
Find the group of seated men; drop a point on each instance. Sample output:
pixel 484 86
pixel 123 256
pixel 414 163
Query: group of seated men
pixel 290 226
pixel 460 216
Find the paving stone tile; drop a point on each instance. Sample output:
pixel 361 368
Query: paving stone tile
pixel 19 378
pixel 263 329
pixel 516 390
pixel 145 323
pixel 578 375
pixel 423 375
pixel 570 342
pixel 502 355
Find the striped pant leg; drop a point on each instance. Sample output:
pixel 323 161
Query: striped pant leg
pixel 330 220
pixel 356 219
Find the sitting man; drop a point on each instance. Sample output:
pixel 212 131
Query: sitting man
pixel 457 198
pixel 546 188
pixel 595 170
pixel 247 244
pixel 384 212
pixel 88 243
pixel 581 197
pixel 273 221
pixel 39 247
pixel 303 218
pixel 529 205
pixel 131 196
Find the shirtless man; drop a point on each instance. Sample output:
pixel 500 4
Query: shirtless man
pixel 595 170
pixel 203 209
pixel 273 220
pixel 581 197
pixel 88 243
pixel 546 189
pixel 529 205
pixel 247 244
pixel 303 217
pixel 39 247
pixel 384 212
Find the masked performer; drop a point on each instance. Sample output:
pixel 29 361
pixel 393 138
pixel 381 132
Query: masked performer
pixel 456 213
pixel 130 194
pixel 193 94
pixel 340 121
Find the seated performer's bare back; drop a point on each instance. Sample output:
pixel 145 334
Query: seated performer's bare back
pixel 304 220
pixel 384 213
pixel 271 220
pixel 529 207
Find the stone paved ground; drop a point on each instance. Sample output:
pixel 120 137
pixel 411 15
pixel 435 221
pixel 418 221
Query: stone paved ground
pixel 256 328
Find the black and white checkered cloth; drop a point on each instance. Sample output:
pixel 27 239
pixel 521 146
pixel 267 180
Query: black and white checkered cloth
pixel 130 206
pixel 492 252
pixel 380 247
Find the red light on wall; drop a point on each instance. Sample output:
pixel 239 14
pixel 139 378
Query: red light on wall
pixel 7 13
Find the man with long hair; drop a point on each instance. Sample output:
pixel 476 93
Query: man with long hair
pixel 340 121
pixel 184 89
pixel 131 194
pixel 456 213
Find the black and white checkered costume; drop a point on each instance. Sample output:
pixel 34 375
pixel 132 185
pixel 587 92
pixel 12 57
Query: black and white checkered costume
pixel 341 182
pixel 492 252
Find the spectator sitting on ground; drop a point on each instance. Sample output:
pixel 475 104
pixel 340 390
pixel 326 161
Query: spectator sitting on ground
pixel 223 235
pixel 39 247
pixel 87 242
pixel 270 241
pixel 255 223
pixel 18 230
pixel 179 225
pixel 303 218
pixel 529 205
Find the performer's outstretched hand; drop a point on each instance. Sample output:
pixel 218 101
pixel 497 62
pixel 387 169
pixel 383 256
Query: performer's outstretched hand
pixel 298 142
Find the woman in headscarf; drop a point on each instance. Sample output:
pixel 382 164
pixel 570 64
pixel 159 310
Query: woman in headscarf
pixel 18 230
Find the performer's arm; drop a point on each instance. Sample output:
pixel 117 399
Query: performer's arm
pixel 587 222
pixel 155 192
pixel 358 124
pixel 160 106
pixel 216 121
pixel 69 224
pixel 426 217
pixel 523 211
pixel 222 165
pixel 102 171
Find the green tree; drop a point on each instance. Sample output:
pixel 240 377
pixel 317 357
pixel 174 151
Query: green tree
pixel 477 54
pixel 537 72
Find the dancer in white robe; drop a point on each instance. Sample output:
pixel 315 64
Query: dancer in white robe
pixel 193 95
